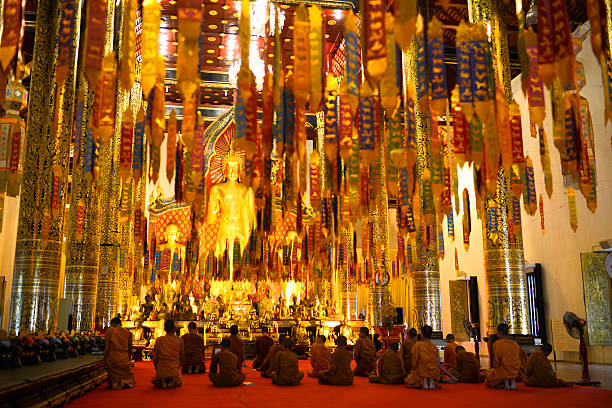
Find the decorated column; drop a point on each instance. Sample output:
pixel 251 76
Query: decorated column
pixel 41 212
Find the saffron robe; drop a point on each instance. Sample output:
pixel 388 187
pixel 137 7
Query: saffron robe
pixel 262 347
pixel 340 372
pixel 365 357
pixel 224 371
pixel 288 372
pixel 237 348
pixel 506 362
pixel 407 346
pixel 425 364
pixel 390 369
pixel 450 355
pixel 468 367
pixel 117 358
pixel 540 372
pixel 193 346
pixel 167 356
pixel 319 359
pixel 270 363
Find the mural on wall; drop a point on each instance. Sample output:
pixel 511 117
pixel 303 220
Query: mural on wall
pixel 597 298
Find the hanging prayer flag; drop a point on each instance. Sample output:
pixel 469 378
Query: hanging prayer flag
pixel 529 191
pixel 535 89
pixel 545 160
pixel 316 57
pixel 171 146
pixel 138 145
pixel 441 252
pixel 573 212
pixel 125 151
pixel 411 147
pixel 80 220
pixel 64 39
pixel 105 100
pixel 565 57
pixel 301 52
pixel 345 128
pixel 437 67
pixel 353 64
pixel 367 129
pixel 12 19
pixel 127 65
pixel 188 124
pixel 450 224
pixel 480 73
pixel 541 206
pixel 89 162
pixel 315 188
pixel 188 56
pixel 151 13
pixel 461 130
pixel 492 220
pixel 466 221
pixel 546 47
pixel 95 37
pixel 477 142
pixel 374 41
pixel 464 70
pixel 516 134
pixel 331 118
pixel 405 24
pixel 395 141
pixel 389 91
pixel 421 65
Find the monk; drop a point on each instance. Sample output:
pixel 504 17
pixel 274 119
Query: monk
pixel 407 346
pixel 167 358
pixel 339 372
pixel 319 357
pixel 425 372
pixel 224 369
pixel 468 366
pixel 270 363
pixel 193 344
pixel 390 367
pixel 540 372
pixel 118 356
pixel 365 354
pixel 506 361
pixel 288 372
pixel 450 355
pixel 262 347
pixel 237 345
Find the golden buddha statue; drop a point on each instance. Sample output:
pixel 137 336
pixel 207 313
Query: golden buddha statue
pixel 232 204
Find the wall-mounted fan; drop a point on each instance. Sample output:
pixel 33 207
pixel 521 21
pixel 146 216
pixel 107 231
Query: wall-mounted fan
pixel 575 328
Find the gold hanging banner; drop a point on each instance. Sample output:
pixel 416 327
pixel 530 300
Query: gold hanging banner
pixel 105 100
pixel 389 91
pixel 171 146
pixel 316 57
pixel 353 63
pixel 95 38
pixel 301 52
pixel 535 89
pixel 12 18
pixel 151 14
pixel 374 41
pixel 125 151
pixel 405 24
pixel 188 59
pixel 464 70
pixel 64 42
pixel 466 220
pixel 545 161
pixel 530 201
pixel 573 212
pixel 127 65
pixel 437 67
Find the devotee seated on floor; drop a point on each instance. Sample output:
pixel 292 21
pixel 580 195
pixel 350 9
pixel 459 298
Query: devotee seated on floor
pixel 287 372
pixel 450 356
pixel 539 370
pixel 340 372
pixel 468 367
pixel 237 345
pixel 118 356
pixel 193 345
pixel 319 357
pixel 224 370
pixel 407 346
pixel 262 347
pixel 270 363
pixel 167 357
pixel 390 367
pixel 425 365
pixel 506 361
pixel 365 354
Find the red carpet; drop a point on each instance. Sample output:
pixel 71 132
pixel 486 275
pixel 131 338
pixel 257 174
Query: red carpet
pixel 197 391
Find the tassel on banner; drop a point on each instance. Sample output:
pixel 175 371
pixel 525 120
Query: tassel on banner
pixel 171 146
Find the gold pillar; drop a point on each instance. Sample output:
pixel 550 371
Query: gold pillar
pixel 348 294
pixel 425 279
pixel 81 277
pixel 37 263
pixel 504 262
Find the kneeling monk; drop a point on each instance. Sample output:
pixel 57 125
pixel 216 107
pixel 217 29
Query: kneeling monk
pixel 193 344
pixel 224 371
pixel 288 372
pixel 270 363
pixel 390 368
pixel 506 361
pixel 468 366
pixel 540 372
pixel 340 372
pixel 262 347
pixel 365 354
pixel 167 357
pixel 319 357
pixel 425 365
pixel 118 356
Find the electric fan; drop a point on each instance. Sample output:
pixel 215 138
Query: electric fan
pixel 575 328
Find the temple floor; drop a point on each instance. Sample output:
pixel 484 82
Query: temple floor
pixel 260 392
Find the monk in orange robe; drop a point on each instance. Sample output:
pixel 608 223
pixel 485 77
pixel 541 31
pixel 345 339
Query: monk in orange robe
pixel 506 361
pixel 118 356
pixel 288 372
pixel 224 371
pixel 365 354
pixel 540 372
pixel 390 367
pixel 450 356
pixel 193 345
pixel 468 366
pixel 262 347
pixel 237 345
pixel 340 372
pixel 319 357
pixel 407 346
pixel 167 358
pixel 270 363
pixel 425 372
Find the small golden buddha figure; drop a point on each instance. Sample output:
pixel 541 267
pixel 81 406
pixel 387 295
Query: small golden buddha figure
pixel 232 204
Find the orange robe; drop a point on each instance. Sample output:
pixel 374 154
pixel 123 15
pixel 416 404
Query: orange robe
pixel 270 363
pixel 340 372
pixel 262 347
pixel 506 362
pixel 425 364
pixel 468 367
pixel 193 346
pixel 118 365
pixel 319 359
pixel 288 372
pixel 237 348
pixel 540 372
pixel 390 369
pixel 450 355
pixel 167 356
pixel 365 357
pixel 407 346
pixel 224 371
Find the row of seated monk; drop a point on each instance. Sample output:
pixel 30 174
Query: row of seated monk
pixel 33 348
pixel 418 365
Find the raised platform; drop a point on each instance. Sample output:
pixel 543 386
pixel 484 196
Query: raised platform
pixel 50 384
